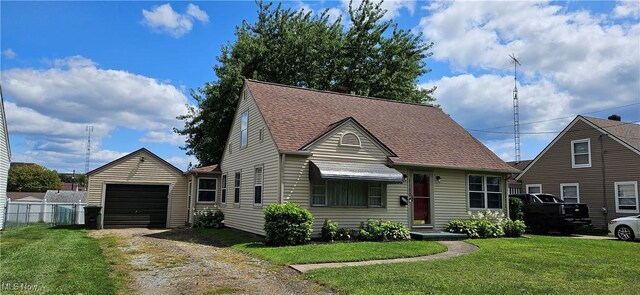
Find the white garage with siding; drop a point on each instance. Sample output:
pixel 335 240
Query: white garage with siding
pixel 139 190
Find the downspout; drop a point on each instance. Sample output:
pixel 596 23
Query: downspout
pixel 282 159
pixel 604 185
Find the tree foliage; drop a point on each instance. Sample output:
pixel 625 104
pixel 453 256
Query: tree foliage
pixel 370 57
pixel 32 178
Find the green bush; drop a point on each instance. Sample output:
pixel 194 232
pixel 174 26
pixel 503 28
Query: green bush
pixel 481 225
pixel 514 228
pixel 329 231
pixel 208 218
pixel 488 229
pixel 515 209
pixel 463 226
pixel 378 230
pixel 287 224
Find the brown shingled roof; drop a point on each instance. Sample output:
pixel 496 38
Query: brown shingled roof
pixel 419 134
pixel 624 131
pixel 205 169
pixel 520 165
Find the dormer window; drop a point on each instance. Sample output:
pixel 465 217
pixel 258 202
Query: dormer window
pixel 350 139
pixel 243 129
pixel 581 153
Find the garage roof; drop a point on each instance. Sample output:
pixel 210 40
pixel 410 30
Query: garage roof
pixel 121 159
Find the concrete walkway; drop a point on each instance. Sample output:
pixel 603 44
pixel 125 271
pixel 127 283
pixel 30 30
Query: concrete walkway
pixel 454 248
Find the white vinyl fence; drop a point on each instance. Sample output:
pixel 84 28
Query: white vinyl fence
pixel 28 213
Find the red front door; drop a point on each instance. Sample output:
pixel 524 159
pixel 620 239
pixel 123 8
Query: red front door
pixel 421 200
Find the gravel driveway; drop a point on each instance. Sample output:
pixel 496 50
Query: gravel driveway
pixel 179 262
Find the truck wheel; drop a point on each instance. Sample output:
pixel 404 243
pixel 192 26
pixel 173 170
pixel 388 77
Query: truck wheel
pixel 624 233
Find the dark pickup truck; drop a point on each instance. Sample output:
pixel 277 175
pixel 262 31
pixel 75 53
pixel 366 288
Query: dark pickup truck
pixel 543 212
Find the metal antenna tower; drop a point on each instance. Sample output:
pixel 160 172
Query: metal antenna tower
pixel 516 112
pixel 88 156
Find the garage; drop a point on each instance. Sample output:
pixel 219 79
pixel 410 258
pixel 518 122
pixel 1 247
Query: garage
pixel 130 205
pixel 139 190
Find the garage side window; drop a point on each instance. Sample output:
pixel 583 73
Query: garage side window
pixel 206 190
pixel 236 188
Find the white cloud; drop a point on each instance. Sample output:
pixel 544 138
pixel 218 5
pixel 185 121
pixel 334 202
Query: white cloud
pixel 169 137
pixel 50 108
pixel 572 62
pixel 9 53
pixel 182 162
pixel 627 9
pixel 197 13
pixel 164 18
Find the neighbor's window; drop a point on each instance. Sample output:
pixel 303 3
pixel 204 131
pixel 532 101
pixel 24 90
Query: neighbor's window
pixel 243 129
pixel 236 188
pixel 581 153
pixel 257 186
pixel 206 189
pixel 261 135
pixel 534 188
pixel 223 197
pixel 336 193
pixel 485 192
pixel 626 196
pixel 570 192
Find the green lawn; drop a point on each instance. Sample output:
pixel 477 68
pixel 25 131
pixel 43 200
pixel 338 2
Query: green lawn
pixel 536 265
pixel 45 260
pixel 329 252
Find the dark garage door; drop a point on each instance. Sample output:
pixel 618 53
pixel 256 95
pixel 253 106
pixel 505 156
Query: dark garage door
pixel 127 205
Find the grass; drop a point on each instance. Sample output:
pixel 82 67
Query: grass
pixel 537 265
pixel 43 260
pixel 324 252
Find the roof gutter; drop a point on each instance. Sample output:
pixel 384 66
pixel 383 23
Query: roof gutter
pixel 514 171
pixel 296 153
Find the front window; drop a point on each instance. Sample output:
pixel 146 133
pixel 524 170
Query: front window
pixel 257 186
pixel 223 197
pixel 581 153
pixel 206 190
pixel 243 129
pixel 626 196
pixel 570 192
pixel 236 188
pixel 485 192
pixel 338 193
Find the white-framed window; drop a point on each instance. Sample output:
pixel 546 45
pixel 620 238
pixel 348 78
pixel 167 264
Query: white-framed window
pixel 223 189
pixel 230 151
pixel 261 134
pixel 485 191
pixel 534 188
pixel 258 179
pixel 244 122
pixel 581 153
pixel 350 139
pixel 570 192
pixel 343 193
pixel 236 188
pixel 626 196
pixel 206 190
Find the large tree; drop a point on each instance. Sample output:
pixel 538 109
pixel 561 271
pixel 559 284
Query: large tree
pixel 370 57
pixel 32 178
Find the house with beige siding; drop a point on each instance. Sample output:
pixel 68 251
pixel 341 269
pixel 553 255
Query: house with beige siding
pixel 349 158
pixel 593 161
pixel 5 159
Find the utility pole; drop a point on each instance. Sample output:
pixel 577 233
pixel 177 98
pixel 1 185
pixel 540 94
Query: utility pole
pixel 88 155
pixel 516 112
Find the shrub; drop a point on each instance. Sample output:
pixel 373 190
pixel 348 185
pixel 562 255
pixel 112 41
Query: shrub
pixel 345 234
pixel 329 231
pixel 481 225
pixel 488 229
pixel 515 209
pixel 208 218
pixel 378 230
pixel 514 228
pixel 287 224
pixel 463 226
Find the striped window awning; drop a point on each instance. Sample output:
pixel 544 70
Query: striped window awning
pixel 354 171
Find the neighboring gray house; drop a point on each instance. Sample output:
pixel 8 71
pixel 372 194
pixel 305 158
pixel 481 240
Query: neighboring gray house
pixel 593 161
pixel 5 159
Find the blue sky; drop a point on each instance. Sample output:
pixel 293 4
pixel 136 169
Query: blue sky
pixel 126 68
